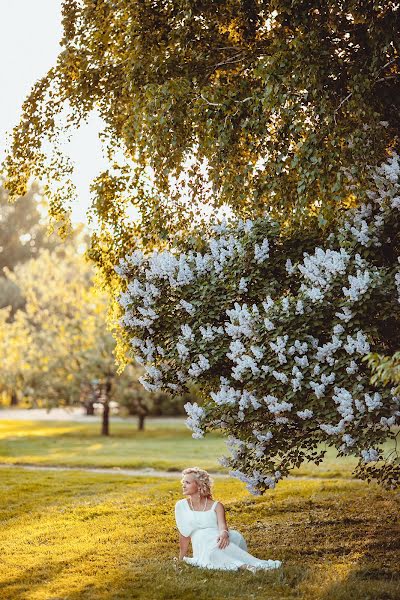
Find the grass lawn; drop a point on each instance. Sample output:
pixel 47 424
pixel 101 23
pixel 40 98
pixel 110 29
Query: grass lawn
pixel 165 444
pixel 84 536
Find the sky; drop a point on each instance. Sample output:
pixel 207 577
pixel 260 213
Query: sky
pixel 29 45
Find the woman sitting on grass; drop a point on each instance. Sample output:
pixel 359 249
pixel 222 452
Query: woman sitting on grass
pixel 202 521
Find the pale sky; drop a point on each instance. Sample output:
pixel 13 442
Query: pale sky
pixel 29 44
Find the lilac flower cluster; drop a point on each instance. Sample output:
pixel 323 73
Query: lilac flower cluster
pixel 272 361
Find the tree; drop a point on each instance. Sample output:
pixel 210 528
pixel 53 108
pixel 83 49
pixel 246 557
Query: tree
pixel 23 233
pixel 15 346
pixel 59 344
pixel 246 105
pixel 273 325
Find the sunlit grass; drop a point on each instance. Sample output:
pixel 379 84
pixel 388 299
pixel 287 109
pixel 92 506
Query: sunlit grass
pixel 162 445
pixel 165 444
pixel 84 536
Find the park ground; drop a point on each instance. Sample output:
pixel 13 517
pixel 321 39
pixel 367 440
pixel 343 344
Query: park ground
pixel 82 535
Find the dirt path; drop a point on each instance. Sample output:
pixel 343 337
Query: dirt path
pixel 134 472
pixel 112 470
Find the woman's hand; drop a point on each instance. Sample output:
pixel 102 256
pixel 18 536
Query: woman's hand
pixel 223 540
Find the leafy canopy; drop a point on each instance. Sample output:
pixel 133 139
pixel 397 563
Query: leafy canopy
pixel 246 104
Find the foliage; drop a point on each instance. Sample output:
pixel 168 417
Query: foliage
pixel 272 327
pixel 54 349
pixel 385 369
pixel 105 535
pixel 23 233
pixel 247 106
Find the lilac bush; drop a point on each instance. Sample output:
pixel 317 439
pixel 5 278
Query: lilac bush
pixel 273 328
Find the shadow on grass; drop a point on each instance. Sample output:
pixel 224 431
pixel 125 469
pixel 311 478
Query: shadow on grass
pixel 31 579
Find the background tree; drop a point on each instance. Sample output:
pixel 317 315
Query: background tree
pixel 23 233
pixel 247 105
pixel 58 350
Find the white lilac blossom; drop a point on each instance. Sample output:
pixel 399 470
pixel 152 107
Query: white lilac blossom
pixel 285 305
pixel 328 379
pixel 388 422
pixel 348 440
pixel 188 307
pixel 261 253
pixel 370 455
pixel 314 294
pixel 279 376
pixel 279 420
pixel 333 429
pixel 373 402
pixel 247 400
pixel 268 304
pixel 185 274
pixel 298 347
pixel 352 368
pixel 358 285
pixel 397 281
pixel 195 419
pixel 358 344
pixel 236 350
pixel 255 479
pixel 345 314
pixel 183 351
pixel 344 401
pixel 208 332
pixel 187 332
pixel 321 268
pixel 305 414
pixel 263 437
pixel 301 361
pixel 318 388
pixel 276 407
pixel 289 267
pixel 226 395
pixel 197 368
pixel 241 321
pixel 338 329
pixel 269 326
pixel 244 363
pixel 299 307
pixel 390 169
pixel 243 285
pixel 325 352
pixel 279 347
pixel 257 351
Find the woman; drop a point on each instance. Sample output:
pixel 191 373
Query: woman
pixel 202 521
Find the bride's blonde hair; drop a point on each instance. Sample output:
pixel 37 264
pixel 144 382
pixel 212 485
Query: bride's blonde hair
pixel 202 479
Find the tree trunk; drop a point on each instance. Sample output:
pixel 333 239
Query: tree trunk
pixel 14 399
pixel 89 409
pixel 141 418
pixel 105 430
pixel 106 407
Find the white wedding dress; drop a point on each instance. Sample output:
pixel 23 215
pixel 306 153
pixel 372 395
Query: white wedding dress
pixel 202 528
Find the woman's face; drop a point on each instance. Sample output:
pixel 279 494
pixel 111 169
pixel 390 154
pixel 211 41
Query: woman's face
pixel 189 485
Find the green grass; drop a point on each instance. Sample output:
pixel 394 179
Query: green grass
pixel 165 444
pixel 84 536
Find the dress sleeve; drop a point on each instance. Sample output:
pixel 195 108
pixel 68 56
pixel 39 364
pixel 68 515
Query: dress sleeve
pixel 183 519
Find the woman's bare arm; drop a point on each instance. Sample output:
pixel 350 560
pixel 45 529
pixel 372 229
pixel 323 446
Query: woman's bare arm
pixel 223 538
pixel 183 545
